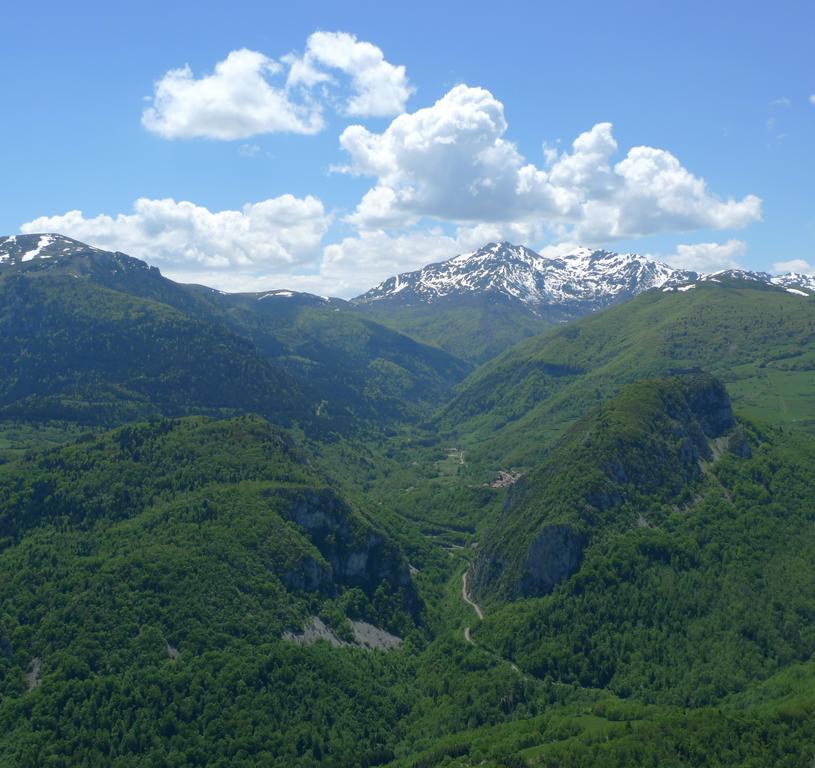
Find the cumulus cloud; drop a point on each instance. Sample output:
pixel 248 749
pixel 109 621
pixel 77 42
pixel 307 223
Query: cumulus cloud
pixel 249 93
pixel 707 257
pixel 652 192
pixel 812 99
pixel 557 250
pixel 276 236
pixel 357 263
pixel 446 179
pixel 234 102
pixel 794 265
pixel 379 88
pixel 451 161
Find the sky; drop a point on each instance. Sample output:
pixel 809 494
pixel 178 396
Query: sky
pixel 325 146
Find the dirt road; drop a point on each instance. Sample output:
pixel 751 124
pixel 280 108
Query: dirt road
pixel 466 596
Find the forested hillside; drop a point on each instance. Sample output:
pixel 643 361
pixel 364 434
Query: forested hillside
pixel 298 545
pixel 148 579
pixel 759 340
pixel 97 338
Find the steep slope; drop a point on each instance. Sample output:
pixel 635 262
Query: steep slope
pixel 19 249
pixel 477 304
pixel 128 472
pixel 642 447
pixel 658 551
pixel 667 552
pixel 759 339
pixel 647 586
pixel 52 255
pixel 795 282
pixel 79 351
pixel 354 362
pixel 579 281
pixel 100 337
pixel 154 574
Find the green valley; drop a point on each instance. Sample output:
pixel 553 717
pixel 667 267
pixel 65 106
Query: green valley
pixel 266 529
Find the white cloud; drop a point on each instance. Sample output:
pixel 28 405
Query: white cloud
pixel 358 263
pixel 276 236
pixel 652 192
pixel 448 161
pixel 380 89
pixel 707 257
pixel 794 265
pixel 451 162
pixel 240 98
pixel 812 99
pixel 556 250
pixel 236 101
pixel 249 150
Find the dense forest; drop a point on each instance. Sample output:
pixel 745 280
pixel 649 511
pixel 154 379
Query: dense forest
pixel 249 530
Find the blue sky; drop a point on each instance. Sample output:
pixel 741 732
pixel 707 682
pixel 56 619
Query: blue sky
pixel 258 179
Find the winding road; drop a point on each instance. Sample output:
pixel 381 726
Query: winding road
pixel 465 595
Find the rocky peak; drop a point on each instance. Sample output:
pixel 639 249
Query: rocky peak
pixel 581 279
pixel 19 249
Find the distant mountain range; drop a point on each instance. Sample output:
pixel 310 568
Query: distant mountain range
pixel 582 281
pixel 478 304
pixel 93 336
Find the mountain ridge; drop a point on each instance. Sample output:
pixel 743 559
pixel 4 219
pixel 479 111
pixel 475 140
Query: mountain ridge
pixel 101 337
pixel 593 277
pixel 583 278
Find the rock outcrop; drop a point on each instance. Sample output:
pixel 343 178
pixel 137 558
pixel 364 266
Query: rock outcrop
pixel 353 554
pixel 554 555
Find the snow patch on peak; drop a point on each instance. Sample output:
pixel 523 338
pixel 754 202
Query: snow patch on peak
pixel 798 280
pixel 44 242
pixel 19 249
pixel 580 278
pixel 282 293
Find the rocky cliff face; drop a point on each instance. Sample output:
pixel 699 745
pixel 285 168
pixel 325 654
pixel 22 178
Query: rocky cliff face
pixel 352 555
pixel 554 555
pixel 709 403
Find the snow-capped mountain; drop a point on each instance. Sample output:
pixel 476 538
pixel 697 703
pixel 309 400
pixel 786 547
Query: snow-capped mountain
pixel 281 298
pixel 18 249
pixel 584 277
pixel 54 253
pixel 796 282
pixel 793 282
pixel 580 281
